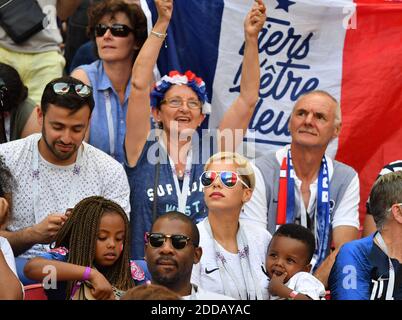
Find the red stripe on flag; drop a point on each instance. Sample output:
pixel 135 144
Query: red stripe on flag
pixel 371 100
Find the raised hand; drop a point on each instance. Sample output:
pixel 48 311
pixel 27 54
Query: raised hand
pixel 255 19
pixel 165 9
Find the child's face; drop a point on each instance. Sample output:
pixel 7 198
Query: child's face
pixel 286 255
pixel 110 239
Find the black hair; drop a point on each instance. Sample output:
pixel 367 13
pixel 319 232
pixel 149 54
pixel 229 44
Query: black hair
pixel 298 232
pixel 7 181
pixel 70 100
pixel 176 215
pixel 13 90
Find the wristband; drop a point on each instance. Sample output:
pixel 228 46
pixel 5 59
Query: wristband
pixel 159 35
pixel 86 274
pixel 293 295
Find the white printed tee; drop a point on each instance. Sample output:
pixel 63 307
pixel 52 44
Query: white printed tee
pixel 55 187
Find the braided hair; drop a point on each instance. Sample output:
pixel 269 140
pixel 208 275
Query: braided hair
pixel 79 235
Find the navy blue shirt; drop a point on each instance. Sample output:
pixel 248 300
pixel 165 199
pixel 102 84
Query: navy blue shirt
pixel 142 179
pixel 361 272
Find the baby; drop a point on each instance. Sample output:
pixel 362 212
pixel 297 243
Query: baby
pixel 288 265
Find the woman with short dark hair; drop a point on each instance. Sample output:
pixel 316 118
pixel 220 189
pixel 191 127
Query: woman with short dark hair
pixel 118 30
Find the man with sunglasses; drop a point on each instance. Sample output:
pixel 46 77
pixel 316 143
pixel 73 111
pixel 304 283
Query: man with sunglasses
pixel 56 169
pixel 171 250
pixel 300 184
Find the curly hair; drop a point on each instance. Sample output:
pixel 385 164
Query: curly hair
pixel 133 12
pixel 7 181
pixel 79 235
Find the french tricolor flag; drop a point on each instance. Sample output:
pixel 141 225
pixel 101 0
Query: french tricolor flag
pixel 352 49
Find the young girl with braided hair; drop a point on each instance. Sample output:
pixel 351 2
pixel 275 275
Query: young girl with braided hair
pixel 91 248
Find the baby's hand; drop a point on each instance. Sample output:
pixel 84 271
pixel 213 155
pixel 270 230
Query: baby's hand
pixel 276 284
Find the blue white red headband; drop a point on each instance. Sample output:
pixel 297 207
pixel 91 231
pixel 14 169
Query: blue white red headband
pixel 189 79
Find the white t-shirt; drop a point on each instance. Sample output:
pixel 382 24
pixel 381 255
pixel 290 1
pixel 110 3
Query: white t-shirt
pixel 9 257
pixel 233 260
pixel 206 273
pixel 8 254
pixel 305 283
pixel 346 214
pixel 59 187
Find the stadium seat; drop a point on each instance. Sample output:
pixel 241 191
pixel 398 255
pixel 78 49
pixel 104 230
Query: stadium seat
pixel 35 292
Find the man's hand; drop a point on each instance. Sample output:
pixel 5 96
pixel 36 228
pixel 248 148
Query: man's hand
pixel 255 19
pixel 45 231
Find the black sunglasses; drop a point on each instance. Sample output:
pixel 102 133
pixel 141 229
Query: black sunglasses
pixel 116 29
pixel 157 240
pixel 63 88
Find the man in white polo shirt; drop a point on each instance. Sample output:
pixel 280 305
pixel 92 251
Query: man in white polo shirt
pixel 300 184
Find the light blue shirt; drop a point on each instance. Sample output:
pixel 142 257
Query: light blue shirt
pixel 101 133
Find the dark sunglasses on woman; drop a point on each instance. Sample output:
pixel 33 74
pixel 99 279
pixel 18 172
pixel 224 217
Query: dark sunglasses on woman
pixel 229 178
pixel 116 29
pixel 157 240
pixel 63 88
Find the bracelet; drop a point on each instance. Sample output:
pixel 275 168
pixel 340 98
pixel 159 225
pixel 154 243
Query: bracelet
pixel 293 295
pixel 86 274
pixel 159 35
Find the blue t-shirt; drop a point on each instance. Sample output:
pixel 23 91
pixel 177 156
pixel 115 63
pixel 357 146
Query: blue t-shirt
pixel 142 179
pixel 99 130
pixel 139 272
pixel 361 272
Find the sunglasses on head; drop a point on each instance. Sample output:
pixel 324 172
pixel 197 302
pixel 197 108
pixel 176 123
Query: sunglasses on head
pixel 63 88
pixel 228 178
pixel 157 240
pixel 116 29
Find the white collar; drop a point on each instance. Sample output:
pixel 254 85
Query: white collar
pixel 283 152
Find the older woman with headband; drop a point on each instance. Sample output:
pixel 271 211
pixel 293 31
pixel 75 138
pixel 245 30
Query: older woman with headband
pixel 233 251
pixel 164 167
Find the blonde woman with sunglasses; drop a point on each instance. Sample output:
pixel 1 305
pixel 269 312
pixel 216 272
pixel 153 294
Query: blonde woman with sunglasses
pixel 233 251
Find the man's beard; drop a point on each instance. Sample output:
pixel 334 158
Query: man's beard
pixel 54 151
pixel 164 280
